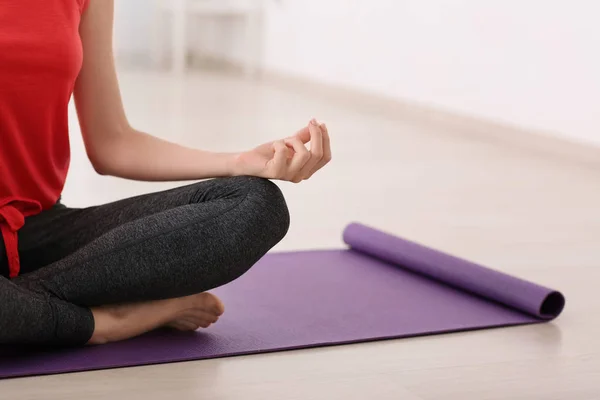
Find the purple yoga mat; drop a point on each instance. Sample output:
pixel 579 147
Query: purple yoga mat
pixel 382 287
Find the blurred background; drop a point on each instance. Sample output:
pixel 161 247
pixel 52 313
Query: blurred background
pixel 469 125
pixel 531 63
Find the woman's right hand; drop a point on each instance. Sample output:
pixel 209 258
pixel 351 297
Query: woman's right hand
pixel 288 159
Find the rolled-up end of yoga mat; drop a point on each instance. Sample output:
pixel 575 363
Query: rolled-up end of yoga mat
pixel 528 297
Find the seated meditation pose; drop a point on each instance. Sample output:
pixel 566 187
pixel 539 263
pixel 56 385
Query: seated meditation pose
pixel 88 276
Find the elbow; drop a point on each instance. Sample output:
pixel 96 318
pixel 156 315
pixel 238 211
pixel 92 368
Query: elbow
pixel 101 169
pixel 103 158
pixel 101 164
pixel 104 155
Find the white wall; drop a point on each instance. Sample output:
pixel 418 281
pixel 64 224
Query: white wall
pixel 134 21
pixel 534 63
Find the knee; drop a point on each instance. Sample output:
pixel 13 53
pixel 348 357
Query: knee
pixel 255 220
pixel 266 209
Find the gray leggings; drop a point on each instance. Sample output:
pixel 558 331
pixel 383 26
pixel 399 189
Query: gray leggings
pixel 163 245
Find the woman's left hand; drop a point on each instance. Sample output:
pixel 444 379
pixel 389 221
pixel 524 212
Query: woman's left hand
pixel 288 159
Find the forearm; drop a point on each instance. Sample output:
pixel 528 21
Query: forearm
pixel 138 156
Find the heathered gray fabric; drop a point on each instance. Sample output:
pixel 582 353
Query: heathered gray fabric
pixel 162 245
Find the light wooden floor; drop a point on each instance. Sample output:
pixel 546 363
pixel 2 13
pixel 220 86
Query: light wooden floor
pixel 520 212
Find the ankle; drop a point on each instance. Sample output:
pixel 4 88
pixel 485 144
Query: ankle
pixel 104 323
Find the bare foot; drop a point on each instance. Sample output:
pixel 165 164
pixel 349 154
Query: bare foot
pixel 205 310
pixel 120 322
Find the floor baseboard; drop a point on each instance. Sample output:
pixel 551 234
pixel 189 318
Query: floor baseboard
pixel 543 143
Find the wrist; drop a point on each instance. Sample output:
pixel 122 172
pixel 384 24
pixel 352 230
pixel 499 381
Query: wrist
pixel 232 164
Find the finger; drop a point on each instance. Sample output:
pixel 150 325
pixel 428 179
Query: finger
pixel 326 144
pixel 279 162
pixel 316 150
pixel 303 134
pixel 301 157
pixel 326 151
pixel 316 140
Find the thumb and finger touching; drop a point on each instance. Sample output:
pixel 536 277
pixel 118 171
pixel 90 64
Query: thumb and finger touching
pixel 316 151
pixel 293 161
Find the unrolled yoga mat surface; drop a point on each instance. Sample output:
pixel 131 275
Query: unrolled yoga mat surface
pixel 381 287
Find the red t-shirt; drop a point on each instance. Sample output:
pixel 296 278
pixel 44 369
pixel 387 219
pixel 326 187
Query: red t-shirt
pixel 40 58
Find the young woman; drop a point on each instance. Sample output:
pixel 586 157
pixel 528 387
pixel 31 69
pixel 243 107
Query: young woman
pixel 110 272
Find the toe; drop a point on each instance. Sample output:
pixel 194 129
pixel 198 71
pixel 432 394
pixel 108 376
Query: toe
pixel 217 308
pixel 212 304
pixel 205 324
pixel 183 325
pixel 208 317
